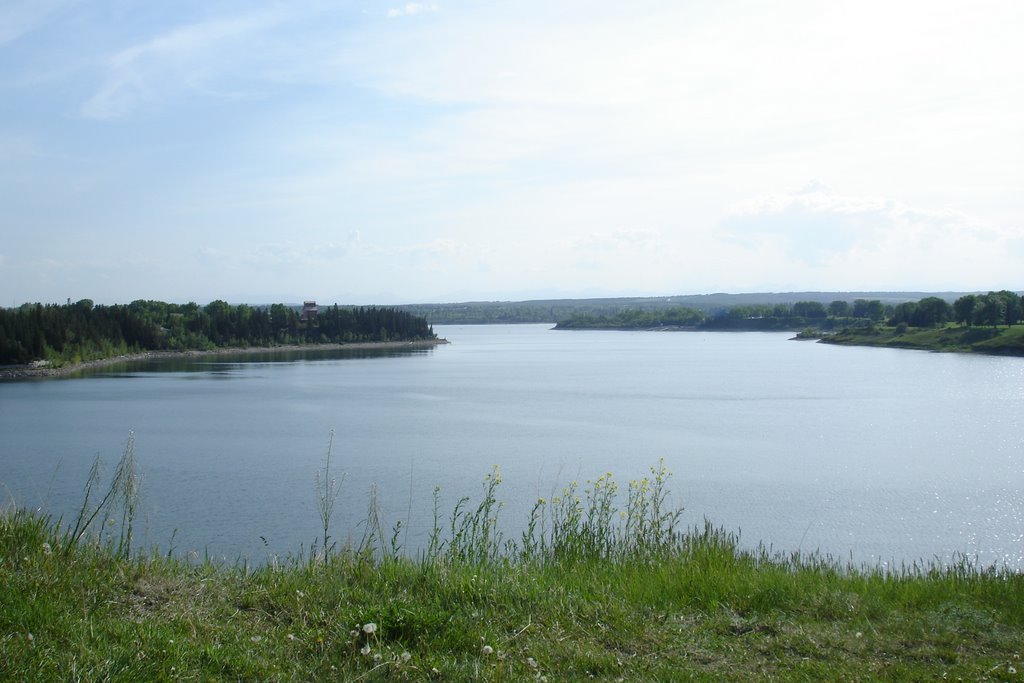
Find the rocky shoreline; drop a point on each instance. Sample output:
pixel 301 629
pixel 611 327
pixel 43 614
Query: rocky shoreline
pixel 38 370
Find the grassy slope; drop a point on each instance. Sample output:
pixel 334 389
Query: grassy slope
pixel 702 611
pixel 1002 340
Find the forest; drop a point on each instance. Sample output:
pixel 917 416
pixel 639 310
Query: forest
pixel 712 306
pixel 76 332
pixel 992 309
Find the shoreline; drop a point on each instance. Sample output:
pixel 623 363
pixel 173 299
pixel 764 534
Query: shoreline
pixel 29 371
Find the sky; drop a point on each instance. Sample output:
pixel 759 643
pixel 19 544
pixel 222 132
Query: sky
pixel 387 152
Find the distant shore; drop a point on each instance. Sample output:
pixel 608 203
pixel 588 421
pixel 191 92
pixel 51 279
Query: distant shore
pixel 36 370
pixel 993 341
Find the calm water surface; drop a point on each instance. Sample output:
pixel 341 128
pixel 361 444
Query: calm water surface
pixel 869 455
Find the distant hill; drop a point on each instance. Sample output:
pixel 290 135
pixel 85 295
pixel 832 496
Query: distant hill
pixel 554 310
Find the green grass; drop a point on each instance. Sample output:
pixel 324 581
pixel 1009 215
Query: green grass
pixel 992 340
pixel 588 591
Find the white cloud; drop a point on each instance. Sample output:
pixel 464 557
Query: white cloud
pixel 573 146
pixel 873 242
pixel 411 8
pixel 747 95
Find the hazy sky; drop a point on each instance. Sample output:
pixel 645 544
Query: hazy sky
pixel 380 152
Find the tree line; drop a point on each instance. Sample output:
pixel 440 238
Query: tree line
pixel 995 308
pixel 82 331
pixel 633 318
pixel 778 316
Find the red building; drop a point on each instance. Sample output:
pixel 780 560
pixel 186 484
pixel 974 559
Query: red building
pixel 309 311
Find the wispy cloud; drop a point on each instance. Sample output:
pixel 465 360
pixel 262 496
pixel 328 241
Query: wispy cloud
pixel 21 18
pixel 284 254
pixel 187 58
pixel 617 241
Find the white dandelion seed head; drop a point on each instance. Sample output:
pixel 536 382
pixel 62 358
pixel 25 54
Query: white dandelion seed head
pixel 487 650
pixel 364 650
pixel 405 657
pixel 370 628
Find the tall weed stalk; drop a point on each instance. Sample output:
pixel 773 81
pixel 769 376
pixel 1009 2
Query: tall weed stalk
pixel 327 489
pixel 590 525
pixel 577 525
pixel 120 500
pixel 475 536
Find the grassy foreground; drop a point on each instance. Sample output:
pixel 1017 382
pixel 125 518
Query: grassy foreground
pixel 1005 341
pixel 588 592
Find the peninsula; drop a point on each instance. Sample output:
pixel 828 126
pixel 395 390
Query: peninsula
pixel 37 339
pixel 986 323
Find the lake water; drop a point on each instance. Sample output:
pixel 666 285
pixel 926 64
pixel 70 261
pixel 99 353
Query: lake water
pixel 870 455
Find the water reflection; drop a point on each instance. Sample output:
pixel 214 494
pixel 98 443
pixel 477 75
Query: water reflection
pixel 226 364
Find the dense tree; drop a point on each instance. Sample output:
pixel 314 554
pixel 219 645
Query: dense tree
pixel 927 312
pixel 873 309
pixel 990 309
pixel 637 319
pixel 83 331
pixel 931 311
pixel 749 311
pixel 839 309
pixel 809 309
pixel 963 309
pixel 903 313
pixel 1012 306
